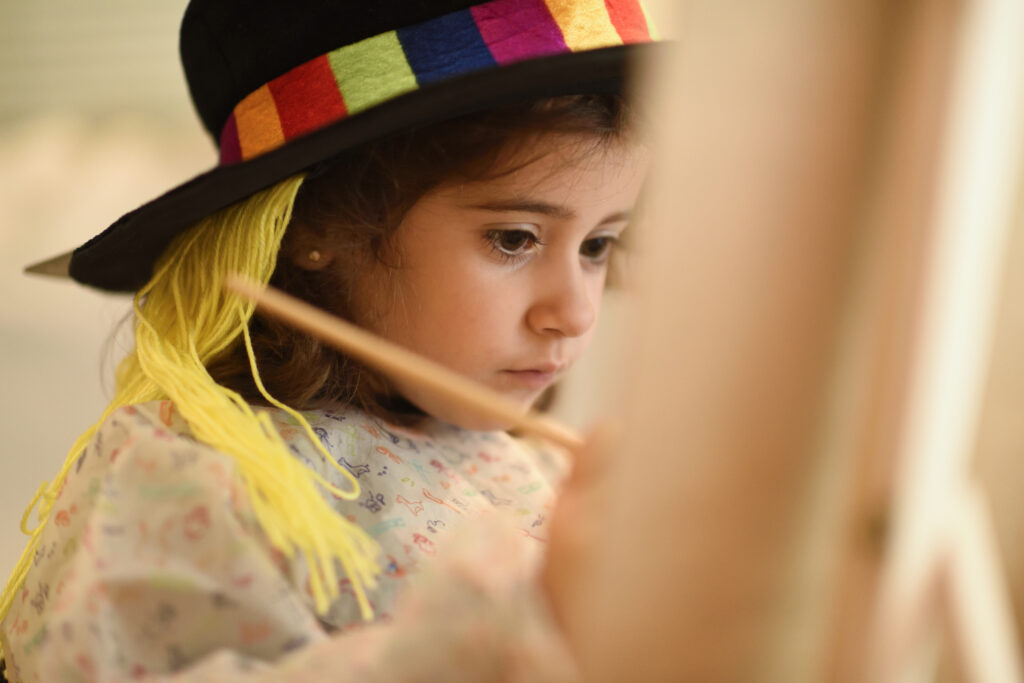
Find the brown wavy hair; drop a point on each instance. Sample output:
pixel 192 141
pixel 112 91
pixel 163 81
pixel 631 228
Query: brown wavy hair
pixel 358 200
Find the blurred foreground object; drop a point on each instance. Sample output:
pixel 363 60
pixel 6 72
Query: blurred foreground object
pixel 832 194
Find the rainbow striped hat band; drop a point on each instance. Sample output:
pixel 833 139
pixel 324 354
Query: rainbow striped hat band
pixel 400 64
pixel 356 77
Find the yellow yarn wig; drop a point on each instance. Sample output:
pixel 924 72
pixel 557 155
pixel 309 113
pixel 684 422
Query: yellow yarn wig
pixel 183 319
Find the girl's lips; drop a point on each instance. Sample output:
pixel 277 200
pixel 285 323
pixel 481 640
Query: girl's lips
pixel 537 379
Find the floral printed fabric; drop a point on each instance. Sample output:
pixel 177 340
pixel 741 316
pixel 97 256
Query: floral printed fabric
pixel 152 566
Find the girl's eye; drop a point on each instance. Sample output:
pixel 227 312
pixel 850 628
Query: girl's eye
pixel 512 243
pixel 597 248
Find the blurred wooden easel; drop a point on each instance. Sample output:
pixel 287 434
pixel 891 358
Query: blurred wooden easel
pixel 833 189
pixel 943 567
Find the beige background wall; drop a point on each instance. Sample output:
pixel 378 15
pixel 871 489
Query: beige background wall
pixel 94 119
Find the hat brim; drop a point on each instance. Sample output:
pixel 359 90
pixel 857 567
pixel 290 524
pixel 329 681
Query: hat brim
pixel 121 258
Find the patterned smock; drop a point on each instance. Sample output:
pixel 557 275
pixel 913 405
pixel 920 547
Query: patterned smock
pixel 153 567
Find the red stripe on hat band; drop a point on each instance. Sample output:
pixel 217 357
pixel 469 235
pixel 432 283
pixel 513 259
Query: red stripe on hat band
pixel 310 96
pixel 628 19
pixel 307 96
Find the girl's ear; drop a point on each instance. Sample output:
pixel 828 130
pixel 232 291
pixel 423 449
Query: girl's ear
pixel 307 250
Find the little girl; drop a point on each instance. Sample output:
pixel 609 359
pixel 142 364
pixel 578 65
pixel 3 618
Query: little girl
pixel 254 505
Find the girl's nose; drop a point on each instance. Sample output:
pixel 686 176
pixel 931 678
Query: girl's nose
pixel 564 305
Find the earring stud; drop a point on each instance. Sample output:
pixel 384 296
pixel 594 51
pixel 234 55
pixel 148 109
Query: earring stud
pixel 314 256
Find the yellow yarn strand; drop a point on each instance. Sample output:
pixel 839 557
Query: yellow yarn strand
pixel 184 319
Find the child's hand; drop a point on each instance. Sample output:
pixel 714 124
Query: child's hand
pixel 575 528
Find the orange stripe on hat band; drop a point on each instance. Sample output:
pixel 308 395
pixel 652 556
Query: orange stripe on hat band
pixel 258 123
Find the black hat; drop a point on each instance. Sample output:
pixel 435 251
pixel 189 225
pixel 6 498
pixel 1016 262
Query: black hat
pixel 284 85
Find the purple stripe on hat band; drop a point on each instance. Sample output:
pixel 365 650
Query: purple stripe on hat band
pixel 230 147
pixel 515 30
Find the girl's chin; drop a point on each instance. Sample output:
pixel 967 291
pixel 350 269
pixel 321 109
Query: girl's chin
pixel 468 419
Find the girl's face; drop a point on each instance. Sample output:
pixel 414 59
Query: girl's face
pixel 501 279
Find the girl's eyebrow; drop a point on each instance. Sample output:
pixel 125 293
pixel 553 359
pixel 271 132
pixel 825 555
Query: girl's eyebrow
pixel 542 208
